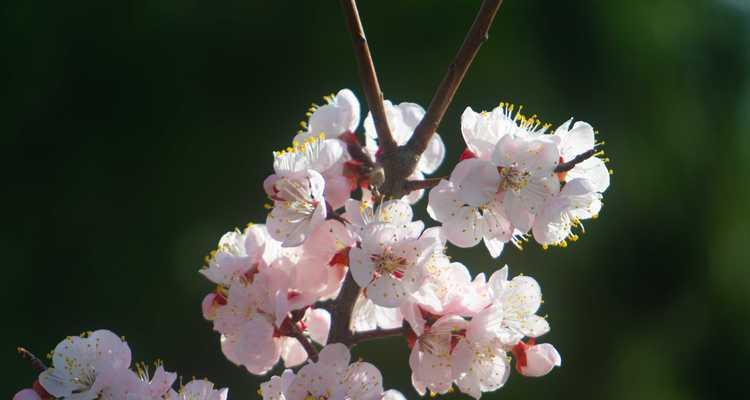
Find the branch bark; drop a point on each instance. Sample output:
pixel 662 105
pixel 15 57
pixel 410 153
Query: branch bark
pixel 358 338
pixel 369 77
pixel 568 165
pixel 296 333
pixel 428 183
pixel 476 36
pixel 342 309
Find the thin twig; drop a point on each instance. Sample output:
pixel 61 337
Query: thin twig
pixel 360 337
pixel 477 35
pixel 35 362
pixel 367 74
pixel 296 333
pixel 568 165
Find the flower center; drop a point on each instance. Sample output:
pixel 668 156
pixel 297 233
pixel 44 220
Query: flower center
pixel 389 263
pixel 512 178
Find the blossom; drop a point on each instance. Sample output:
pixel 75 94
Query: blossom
pixel 368 316
pixel 526 167
pixel 535 360
pixel 27 394
pixel 239 255
pixel 151 387
pixel 449 289
pixel 341 114
pixel 431 358
pixel 519 299
pixel 389 262
pixel 469 208
pixel 332 377
pixel 480 362
pixel 577 201
pixel 299 207
pixel 277 386
pixel 198 390
pixel 575 140
pixel 83 367
pixel 482 131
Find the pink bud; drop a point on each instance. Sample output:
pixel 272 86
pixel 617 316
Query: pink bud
pixel 27 394
pixel 535 360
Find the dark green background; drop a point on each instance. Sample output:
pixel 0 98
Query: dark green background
pixel 134 134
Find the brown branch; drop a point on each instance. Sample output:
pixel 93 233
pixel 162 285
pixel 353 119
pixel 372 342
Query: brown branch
pixel 568 165
pixel 341 311
pixel 367 74
pixel 477 35
pixel 428 183
pixel 360 337
pixel 35 362
pixel 296 333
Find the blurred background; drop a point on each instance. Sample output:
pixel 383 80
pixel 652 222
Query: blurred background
pixel 134 134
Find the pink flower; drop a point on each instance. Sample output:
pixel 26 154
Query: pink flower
pixel 27 394
pixel 469 208
pixel 332 377
pixel 480 363
pixel 431 358
pixel 535 360
pixel 390 262
pixel 83 367
pixel 340 115
pixel 299 207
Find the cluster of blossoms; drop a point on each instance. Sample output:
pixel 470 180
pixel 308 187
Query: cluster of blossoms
pixel 513 179
pixel 97 365
pixel 279 284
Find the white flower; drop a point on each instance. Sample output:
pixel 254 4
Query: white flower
pixel 431 359
pixel 277 386
pixel 519 299
pixel 340 114
pixel 333 378
pixel 85 366
pixel 578 140
pixel 368 316
pixel 449 289
pixel 239 254
pixel 148 387
pixel 527 178
pixel 576 201
pixel 389 263
pixel 469 208
pixel 299 207
pixel 480 362
pixel 198 390
pixel 361 215
pixel 326 156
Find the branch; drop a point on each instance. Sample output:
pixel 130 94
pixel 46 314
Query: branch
pixel 367 74
pixel 428 183
pixel 358 338
pixel 477 35
pixel 568 165
pixel 309 348
pixel 35 362
pixel 341 311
